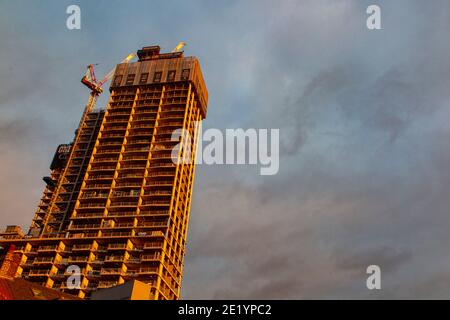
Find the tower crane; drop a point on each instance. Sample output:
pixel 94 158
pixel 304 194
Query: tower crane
pixel 90 81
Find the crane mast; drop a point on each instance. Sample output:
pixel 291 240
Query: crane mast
pixel 89 80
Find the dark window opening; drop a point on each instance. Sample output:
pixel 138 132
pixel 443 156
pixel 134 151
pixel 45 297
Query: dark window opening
pixel 144 78
pixel 157 77
pixel 171 75
pixel 117 80
pixel 185 74
pixel 130 79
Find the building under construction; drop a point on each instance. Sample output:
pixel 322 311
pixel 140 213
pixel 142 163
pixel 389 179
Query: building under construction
pixel 116 204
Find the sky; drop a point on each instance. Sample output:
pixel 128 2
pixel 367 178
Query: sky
pixel 364 137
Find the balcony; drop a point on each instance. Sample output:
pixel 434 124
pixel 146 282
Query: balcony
pixel 130 274
pixel 81 247
pixel 128 184
pixel 159 193
pixel 118 113
pixel 135 141
pixel 89 226
pixel 87 216
pixel 171 124
pixel 117 234
pixel 12 232
pixel 117 246
pixel 150 257
pixel 97 186
pixel 142 126
pixel 99 177
pixel 47 248
pixel 93 274
pixel 111 271
pixel 163 165
pixel 106 284
pixel 97 262
pixel 153 245
pixel 121 214
pixel 27 264
pixel 148 270
pixel 90 287
pixel 31 253
pixel 129 157
pixel 154 213
pixel 114 259
pixel 58 276
pixel 83 235
pixel 162 174
pixel 119 225
pixel 133 261
pixel 124 204
pixel 64 286
pixel 156 203
pixel 159 182
pixel 43 260
pixel 91 205
pixel 61 263
pixel 53 221
pixel 39 273
pixel 152 224
pixel 125 194
pixel 78 259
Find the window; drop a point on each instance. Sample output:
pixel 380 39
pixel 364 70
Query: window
pixel 171 75
pixel 117 80
pixel 157 76
pixel 144 78
pixel 130 79
pixel 185 74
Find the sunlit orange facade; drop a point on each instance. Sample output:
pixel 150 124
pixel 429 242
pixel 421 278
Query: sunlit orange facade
pixel 118 205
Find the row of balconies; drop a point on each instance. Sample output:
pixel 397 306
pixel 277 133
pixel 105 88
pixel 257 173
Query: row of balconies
pixel 96 186
pixel 122 225
pixel 93 205
pixel 121 104
pixel 146 110
pixel 113 234
pixel 94 195
pixel 117 119
pixel 111 135
pixel 141 117
pixel 114 113
pixel 132 141
pixel 120 214
pixel 82 260
pixel 136 149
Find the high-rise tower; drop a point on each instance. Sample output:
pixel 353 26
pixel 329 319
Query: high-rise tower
pixel 117 202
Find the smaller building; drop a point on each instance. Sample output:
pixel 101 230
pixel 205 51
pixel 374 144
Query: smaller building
pixel 12 288
pixel 20 289
pixel 131 290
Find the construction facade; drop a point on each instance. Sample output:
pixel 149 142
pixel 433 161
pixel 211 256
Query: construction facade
pixel 116 205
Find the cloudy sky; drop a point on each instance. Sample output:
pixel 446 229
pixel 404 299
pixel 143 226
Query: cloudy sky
pixel 363 116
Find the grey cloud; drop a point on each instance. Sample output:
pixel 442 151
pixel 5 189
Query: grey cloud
pixel 385 257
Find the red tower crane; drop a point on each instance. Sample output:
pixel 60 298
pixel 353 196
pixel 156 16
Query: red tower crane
pixel 90 81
